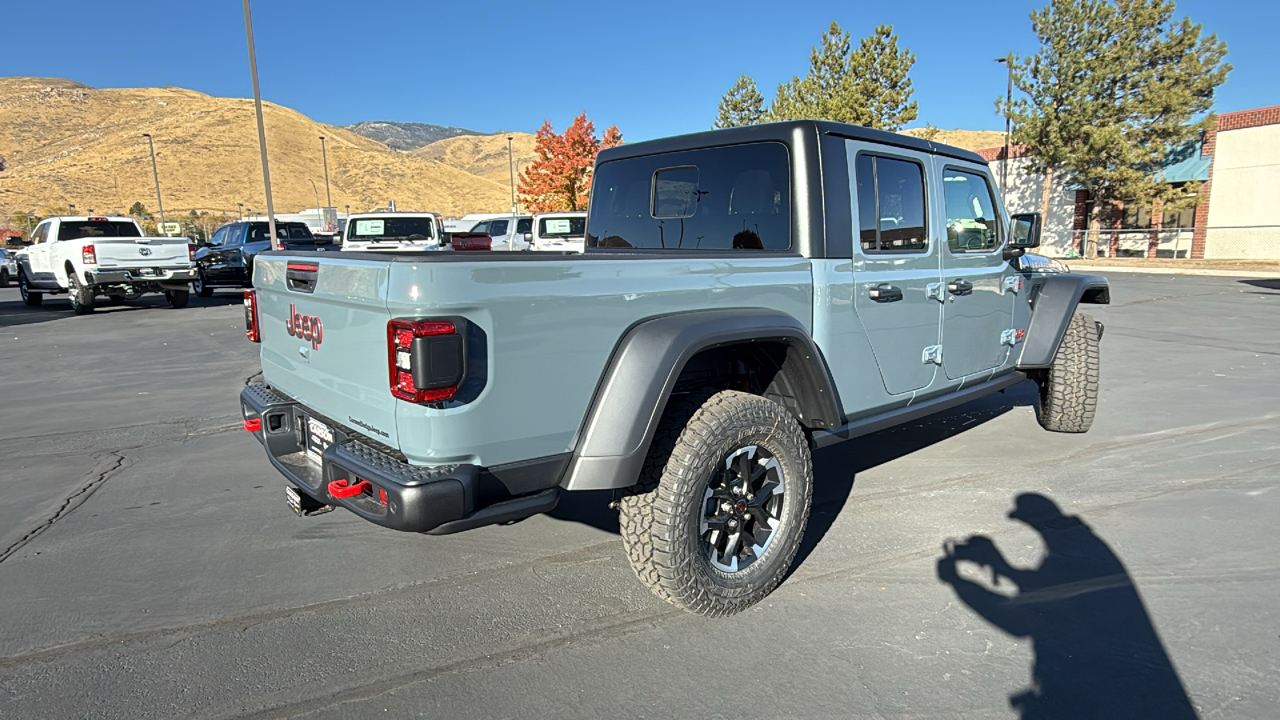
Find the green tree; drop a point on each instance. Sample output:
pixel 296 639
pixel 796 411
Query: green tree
pixel 742 105
pixel 1115 90
pixel 866 86
pixel 138 210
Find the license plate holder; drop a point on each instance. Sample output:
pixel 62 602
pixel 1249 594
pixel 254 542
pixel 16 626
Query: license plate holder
pixel 319 437
pixel 147 272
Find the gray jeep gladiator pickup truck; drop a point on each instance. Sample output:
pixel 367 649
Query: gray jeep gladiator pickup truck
pixel 746 295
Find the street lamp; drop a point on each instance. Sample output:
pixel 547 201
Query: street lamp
pixel 240 210
pixel 328 200
pixel 316 194
pixel 262 131
pixel 511 167
pixel 1008 100
pixel 155 173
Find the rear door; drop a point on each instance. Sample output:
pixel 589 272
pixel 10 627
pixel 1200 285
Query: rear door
pixel 324 337
pixel 979 308
pixel 896 266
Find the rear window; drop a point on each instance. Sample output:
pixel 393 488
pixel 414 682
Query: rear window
pixel 261 232
pixel 729 198
pixel 392 228
pixel 572 227
pixel 75 229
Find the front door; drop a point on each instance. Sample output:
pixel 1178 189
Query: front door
pixel 978 311
pixel 896 268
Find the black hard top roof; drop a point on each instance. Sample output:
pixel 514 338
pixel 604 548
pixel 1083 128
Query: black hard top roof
pixel 783 132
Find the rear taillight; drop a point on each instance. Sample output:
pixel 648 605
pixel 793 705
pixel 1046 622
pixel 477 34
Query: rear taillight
pixel 251 330
pixel 88 255
pixel 191 252
pixel 425 360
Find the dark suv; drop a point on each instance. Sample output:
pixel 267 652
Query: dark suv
pixel 227 259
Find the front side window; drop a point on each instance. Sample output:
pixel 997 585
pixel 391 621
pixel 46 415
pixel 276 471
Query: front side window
pixel 498 227
pixel 891 205
pixel 219 237
pixel 972 222
pixel 727 198
pixel 40 234
pixel 524 225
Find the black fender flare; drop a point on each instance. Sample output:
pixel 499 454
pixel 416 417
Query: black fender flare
pixel 632 394
pixel 1055 303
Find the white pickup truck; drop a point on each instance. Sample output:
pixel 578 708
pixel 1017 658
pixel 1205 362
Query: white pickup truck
pixel 393 231
pixel 90 256
pixel 559 232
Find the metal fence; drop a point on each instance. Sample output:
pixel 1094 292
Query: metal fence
pixel 1259 242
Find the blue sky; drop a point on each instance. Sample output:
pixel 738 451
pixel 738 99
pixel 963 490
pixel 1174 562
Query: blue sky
pixel 655 68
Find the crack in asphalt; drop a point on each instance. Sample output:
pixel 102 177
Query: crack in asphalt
pixel 115 461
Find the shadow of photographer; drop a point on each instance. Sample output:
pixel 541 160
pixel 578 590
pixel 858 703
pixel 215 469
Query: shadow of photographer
pixel 1096 652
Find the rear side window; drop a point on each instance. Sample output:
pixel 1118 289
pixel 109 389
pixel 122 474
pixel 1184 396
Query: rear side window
pixel 729 198
pixel 890 205
pixel 972 223
pixel 74 229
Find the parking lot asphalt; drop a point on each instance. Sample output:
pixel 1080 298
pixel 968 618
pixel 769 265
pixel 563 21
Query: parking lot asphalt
pixel 150 568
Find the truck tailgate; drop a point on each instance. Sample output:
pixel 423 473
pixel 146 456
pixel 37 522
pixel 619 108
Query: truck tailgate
pixel 324 338
pixel 126 252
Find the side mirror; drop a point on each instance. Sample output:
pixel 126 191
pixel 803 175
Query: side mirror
pixel 528 237
pixel 1024 234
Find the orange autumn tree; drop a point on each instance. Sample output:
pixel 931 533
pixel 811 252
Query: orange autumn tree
pixel 560 179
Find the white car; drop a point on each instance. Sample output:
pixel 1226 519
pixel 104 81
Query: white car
pixel 394 231
pixel 90 256
pixel 559 232
pixel 509 232
pixel 8 267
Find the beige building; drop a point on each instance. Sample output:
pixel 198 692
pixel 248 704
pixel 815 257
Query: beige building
pixel 1238 217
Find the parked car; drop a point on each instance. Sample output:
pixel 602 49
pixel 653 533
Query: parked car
pixel 559 231
pixel 746 295
pixel 86 257
pixel 8 267
pixel 508 232
pixel 384 232
pixel 226 261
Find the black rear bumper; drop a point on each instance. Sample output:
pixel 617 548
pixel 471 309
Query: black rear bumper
pixel 439 499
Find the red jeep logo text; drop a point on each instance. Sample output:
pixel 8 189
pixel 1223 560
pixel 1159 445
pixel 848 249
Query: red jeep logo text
pixel 304 327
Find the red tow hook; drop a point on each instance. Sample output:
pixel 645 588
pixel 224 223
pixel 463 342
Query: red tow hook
pixel 340 488
pixel 253 425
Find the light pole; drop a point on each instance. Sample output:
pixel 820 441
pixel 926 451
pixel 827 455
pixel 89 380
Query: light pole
pixel 240 210
pixel 1008 100
pixel 262 132
pixel 512 168
pixel 324 154
pixel 316 194
pixel 155 174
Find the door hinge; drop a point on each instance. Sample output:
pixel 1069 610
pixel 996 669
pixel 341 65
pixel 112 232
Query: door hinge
pixel 934 290
pixel 1011 337
pixel 1013 284
pixel 932 354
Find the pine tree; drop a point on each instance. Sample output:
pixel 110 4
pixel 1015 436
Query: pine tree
pixel 742 105
pixel 867 86
pixel 1116 88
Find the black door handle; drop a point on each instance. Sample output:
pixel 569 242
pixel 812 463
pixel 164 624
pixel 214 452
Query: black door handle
pixel 884 293
pixel 959 287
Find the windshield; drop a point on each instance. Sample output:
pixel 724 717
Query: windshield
pixel 75 229
pixel 562 227
pixel 391 228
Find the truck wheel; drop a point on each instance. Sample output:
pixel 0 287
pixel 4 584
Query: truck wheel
pixel 721 505
pixel 82 296
pixel 4 277
pixel 30 297
pixel 1069 389
pixel 200 287
pixel 178 299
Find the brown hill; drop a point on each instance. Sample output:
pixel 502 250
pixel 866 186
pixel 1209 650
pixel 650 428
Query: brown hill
pixel 967 139
pixel 483 155
pixel 64 142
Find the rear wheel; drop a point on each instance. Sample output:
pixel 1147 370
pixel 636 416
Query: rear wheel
pixel 82 296
pixel 199 285
pixel 178 299
pixel 1069 389
pixel 4 277
pixel 721 505
pixel 29 297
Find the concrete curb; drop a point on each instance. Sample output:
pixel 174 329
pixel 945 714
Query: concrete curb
pixel 1173 271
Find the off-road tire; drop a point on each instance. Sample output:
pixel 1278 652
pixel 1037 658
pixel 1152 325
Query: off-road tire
pixel 4 277
pixel 30 297
pixel 82 296
pixel 178 299
pixel 201 286
pixel 1069 388
pixel 660 515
